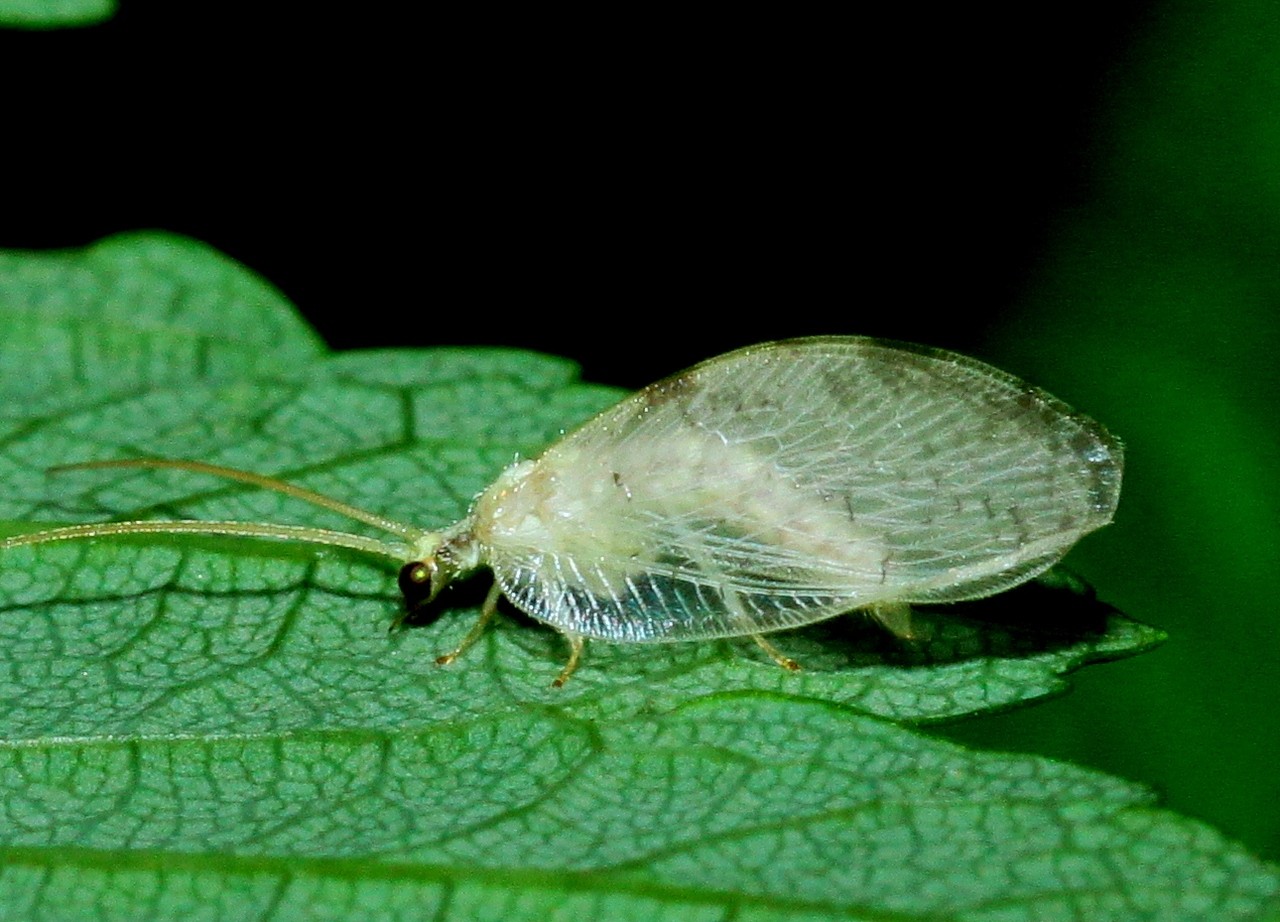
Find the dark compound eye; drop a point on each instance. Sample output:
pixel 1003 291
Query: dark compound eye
pixel 415 584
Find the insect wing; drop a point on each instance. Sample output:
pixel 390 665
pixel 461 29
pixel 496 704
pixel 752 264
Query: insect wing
pixel 786 483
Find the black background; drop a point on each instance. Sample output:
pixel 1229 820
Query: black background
pixel 637 190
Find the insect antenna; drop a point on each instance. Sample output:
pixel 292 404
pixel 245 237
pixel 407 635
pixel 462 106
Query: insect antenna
pixel 395 550
pixel 258 480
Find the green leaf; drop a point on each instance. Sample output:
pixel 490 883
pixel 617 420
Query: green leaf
pixel 134 311
pixel 54 14
pixel 217 728
pixel 747 806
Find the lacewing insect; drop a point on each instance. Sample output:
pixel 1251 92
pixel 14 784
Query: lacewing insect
pixel 765 489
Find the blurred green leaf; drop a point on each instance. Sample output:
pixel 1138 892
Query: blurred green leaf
pixel 219 728
pixel 53 14
pixel 1155 311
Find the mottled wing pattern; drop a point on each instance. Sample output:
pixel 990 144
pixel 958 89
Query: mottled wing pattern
pixel 786 483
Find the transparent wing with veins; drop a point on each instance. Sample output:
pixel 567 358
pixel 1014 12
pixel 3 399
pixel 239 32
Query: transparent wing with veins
pixel 783 484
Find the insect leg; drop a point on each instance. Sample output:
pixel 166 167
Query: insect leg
pixel 779 657
pixel 575 654
pixel 734 604
pixel 487 611
pixel 896 618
